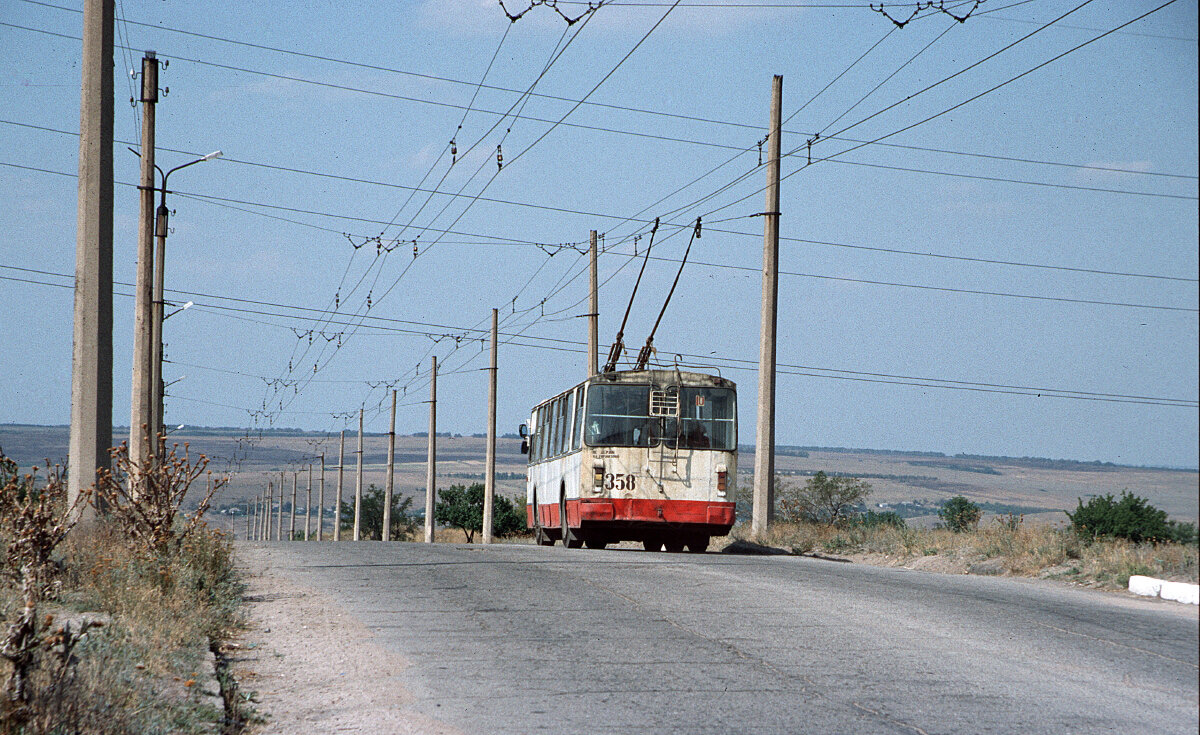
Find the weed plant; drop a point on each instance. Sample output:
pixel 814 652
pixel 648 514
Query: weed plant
pixel 108 625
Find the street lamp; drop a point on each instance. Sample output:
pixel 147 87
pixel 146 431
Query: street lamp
pixel 160 233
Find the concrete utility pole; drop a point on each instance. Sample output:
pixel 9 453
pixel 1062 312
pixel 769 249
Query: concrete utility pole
pixel 337 507
pixel 279 512
pixel 593 312
pixel 292 525
pixel 489 471
pixel 91 353
pixel 308 504
pixel 390 484
pixel 249 535
pixel 142 442
pixel 431 463
pixel 358 481
pixel 321 502
pixel 764 446
pixel 265 531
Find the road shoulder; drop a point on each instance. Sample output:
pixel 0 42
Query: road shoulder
pixel 312 666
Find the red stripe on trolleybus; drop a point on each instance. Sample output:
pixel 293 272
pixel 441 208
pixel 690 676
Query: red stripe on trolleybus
pixel 598 510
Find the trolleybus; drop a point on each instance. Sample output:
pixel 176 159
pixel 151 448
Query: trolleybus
pixel 634 455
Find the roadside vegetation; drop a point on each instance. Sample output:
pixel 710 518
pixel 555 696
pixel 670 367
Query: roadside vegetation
pixel 461 507
pixel 110 626
pixel 1106 540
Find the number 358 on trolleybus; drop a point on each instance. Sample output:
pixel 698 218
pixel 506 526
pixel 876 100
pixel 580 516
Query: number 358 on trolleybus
pixel 635 455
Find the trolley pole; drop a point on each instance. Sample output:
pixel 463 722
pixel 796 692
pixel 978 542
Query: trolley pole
pixel 593 311
pixel 337 507
pixel 321 502
pixel 431 463
pixel 489 471
pixel 358 481
pixel 91 354
pixel 308 504
pixel 390 483
pixel 142 443
pixel 764 446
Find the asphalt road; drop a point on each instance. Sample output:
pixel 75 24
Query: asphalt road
pixel 522 639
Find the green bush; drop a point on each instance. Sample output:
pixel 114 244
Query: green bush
pixel 370 522
pixel 960 515
pixel 822 499
pixel 1129 517
pixel 462 507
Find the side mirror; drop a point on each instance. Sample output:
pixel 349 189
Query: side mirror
pixel 523 430
pixel 524 447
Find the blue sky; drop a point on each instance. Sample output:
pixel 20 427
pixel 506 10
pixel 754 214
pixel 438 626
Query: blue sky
pixel 898 328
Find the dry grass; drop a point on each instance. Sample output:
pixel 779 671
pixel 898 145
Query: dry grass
pixel 1012 549
pixel 139 671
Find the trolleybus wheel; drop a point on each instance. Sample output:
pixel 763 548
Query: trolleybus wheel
pixel 595 543
pixel 539 534
pixel 674 547
pixel 698 545
pixel 570 539
pixel 651 544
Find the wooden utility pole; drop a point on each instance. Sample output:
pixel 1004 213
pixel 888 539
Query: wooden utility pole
pixel 593 312
pixel 489 471
pixel 141 420
pixel 431 462
pixel 337 507
pixel 764 445
pixel 91 355
pixel 358 481
pixel 321 502
pixel 390 483
pixel 308 504
pixel 292 524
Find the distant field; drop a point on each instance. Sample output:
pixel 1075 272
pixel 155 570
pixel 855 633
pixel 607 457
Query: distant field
pixel 913 484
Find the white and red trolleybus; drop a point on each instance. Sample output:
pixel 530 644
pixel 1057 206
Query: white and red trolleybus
pixel 634 455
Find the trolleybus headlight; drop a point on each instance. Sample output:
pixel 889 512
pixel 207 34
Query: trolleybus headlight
pixel 598 478
pixel 722 480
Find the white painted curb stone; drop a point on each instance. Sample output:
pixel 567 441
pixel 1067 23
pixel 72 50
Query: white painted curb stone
pixel 1176 591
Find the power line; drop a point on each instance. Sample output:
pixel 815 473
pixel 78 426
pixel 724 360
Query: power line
pixel 627 108
pixel 1001 179
pixel 946 289
pixel 514 241
pixel 564 345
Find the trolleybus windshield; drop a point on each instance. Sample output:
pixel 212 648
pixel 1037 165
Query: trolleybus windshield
pixel 619 416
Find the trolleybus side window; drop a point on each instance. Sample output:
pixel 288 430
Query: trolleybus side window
pixel 578 424
pixel 618 416
pixel 541 432
pixel 562 430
